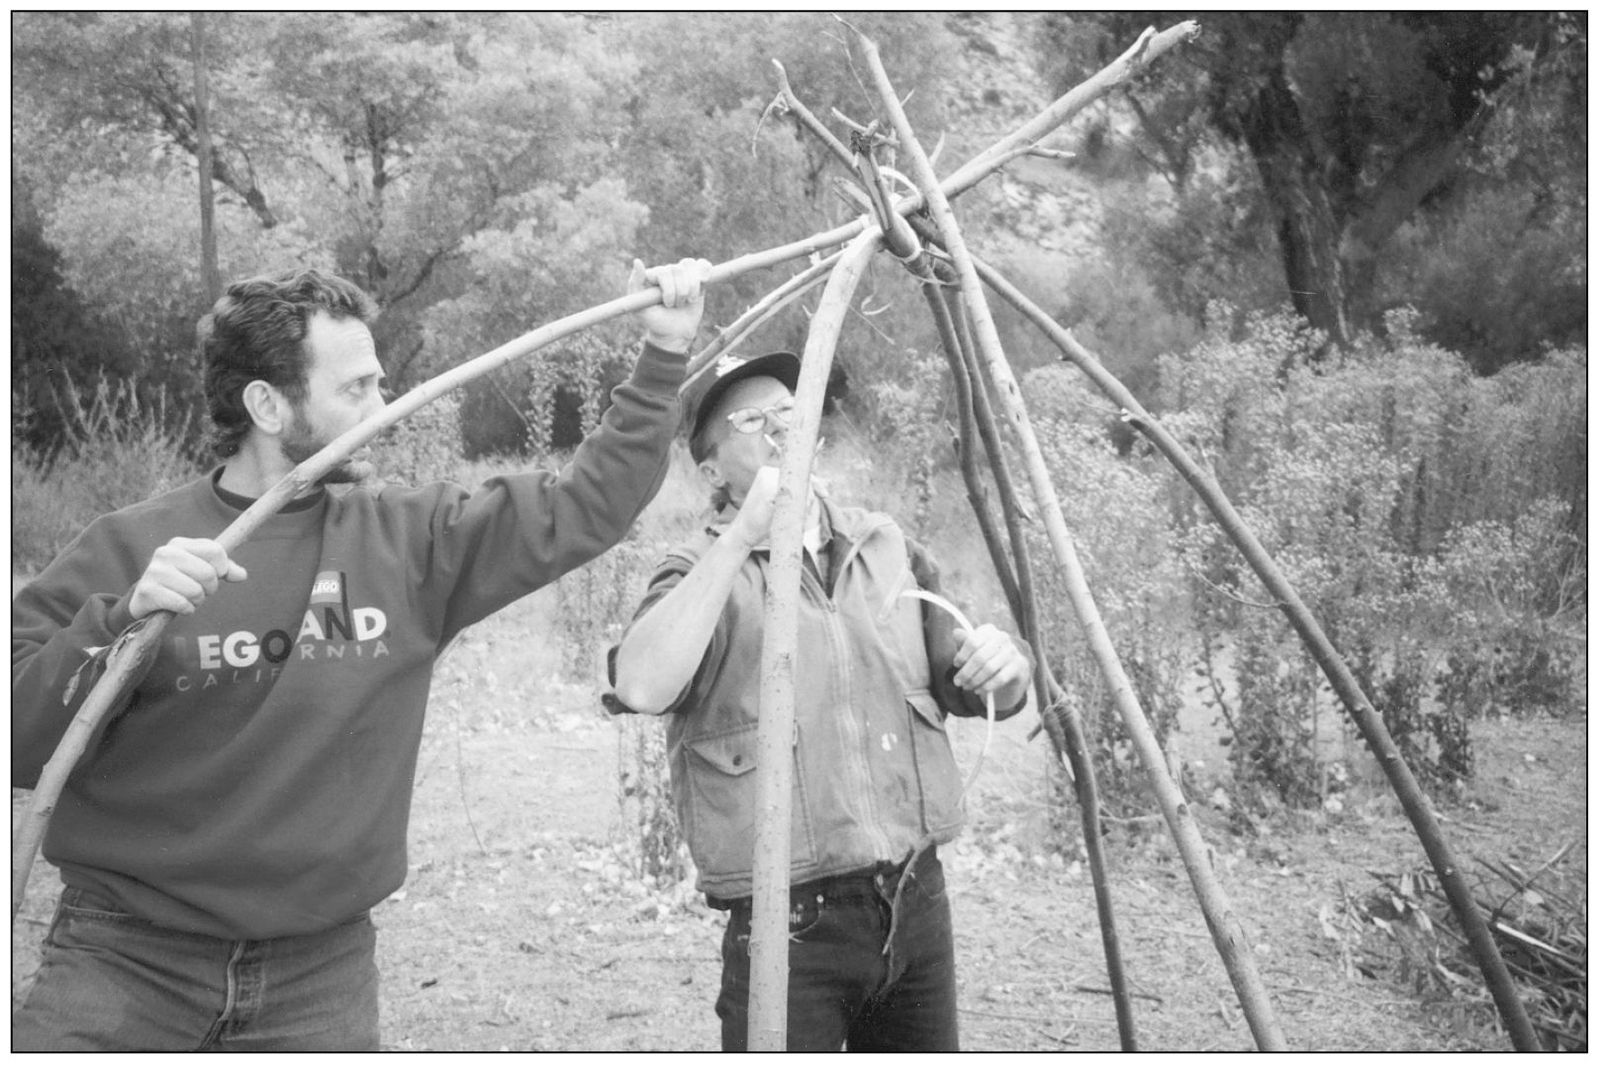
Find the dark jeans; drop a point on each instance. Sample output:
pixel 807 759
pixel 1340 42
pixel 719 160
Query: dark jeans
pixel 112 982
pixel 842 990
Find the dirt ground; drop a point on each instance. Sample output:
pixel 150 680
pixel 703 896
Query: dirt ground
pixel 522 926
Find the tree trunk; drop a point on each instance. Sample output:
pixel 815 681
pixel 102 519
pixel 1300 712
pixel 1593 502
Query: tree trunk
pixel 1308 232
pixel 203 153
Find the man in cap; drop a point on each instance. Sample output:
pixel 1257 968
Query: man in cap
pixel 875 785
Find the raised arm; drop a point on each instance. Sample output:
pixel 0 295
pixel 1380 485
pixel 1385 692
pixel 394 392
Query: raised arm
pixel 664 647
pixel 517 533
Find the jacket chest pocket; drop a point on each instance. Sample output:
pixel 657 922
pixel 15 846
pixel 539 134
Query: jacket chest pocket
pixel 936 771
pixel 718 807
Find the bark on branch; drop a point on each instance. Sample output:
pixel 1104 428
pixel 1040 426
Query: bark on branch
pixel 1414 803
pixel 1226 932
pixel 767 995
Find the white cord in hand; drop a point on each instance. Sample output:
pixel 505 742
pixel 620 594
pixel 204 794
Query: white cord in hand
pixel 988 734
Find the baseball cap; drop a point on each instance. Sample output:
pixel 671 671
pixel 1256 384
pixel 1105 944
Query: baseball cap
pixel 704 390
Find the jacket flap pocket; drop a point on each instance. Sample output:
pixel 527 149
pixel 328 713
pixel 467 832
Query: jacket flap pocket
pixel 923 703
pixel 735 752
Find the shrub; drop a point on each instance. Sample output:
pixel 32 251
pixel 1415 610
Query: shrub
pixel 1427 518
pixel 1117 512
pixel 1516 632
pixel 646 808
pixel 118 449
pixel 425 447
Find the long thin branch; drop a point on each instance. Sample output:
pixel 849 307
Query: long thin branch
pixel 761 311
pixel 1229 937
pixel 787 101
pixel 768 943
pixel 966 451
pixel 1144 52
pixel 1414 803
pixel 1058 715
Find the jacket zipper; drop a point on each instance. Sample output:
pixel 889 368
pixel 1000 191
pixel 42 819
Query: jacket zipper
pixel 857 736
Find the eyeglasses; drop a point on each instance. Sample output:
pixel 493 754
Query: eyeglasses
pixel 750 419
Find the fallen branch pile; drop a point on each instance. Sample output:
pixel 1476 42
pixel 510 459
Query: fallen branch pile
pixel 1537 919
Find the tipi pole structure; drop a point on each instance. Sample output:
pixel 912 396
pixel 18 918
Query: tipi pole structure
pixel 1059 716
pixel 1015 573
pixel 768 940
pixel 761 311
pixel 1414 803
pixel 966 455
pixel 1226 932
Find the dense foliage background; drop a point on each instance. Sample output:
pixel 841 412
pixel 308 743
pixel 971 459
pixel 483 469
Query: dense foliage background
pixel 1343 253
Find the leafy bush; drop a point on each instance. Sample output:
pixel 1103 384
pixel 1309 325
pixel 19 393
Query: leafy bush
pixel 1213 242
pixel 1425 516
pixel 1113 310
pixel 1517 632
pixel 118 449
pixel 427 446
pixel 1118 513
pixel 53 332
pixel 646 807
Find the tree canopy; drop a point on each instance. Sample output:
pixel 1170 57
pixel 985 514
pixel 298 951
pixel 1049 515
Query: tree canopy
pixel 484 172
pixel 1378 139
pixel 479 173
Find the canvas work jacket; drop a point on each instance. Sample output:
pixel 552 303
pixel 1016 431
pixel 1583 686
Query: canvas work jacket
pixel 873 772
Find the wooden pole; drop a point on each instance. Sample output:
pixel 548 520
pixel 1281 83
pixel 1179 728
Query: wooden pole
pixel 759 312
pixel 1414 803
pixel 768 940
pixel 966 455
pixel 1140 55
pixel 1059 719
pixel 1220 921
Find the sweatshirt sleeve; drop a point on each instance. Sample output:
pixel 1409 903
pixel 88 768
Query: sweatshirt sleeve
pixel 63 625
pixel 517 533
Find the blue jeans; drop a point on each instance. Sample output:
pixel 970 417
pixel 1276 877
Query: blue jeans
pixel 112 982
pixel 843 991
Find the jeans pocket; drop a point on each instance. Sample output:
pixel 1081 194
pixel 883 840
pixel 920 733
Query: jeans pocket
pixel 80 910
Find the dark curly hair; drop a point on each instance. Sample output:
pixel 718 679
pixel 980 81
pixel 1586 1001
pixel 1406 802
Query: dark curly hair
pixel 256 331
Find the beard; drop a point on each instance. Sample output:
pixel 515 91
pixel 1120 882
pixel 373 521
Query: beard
pixel 300 442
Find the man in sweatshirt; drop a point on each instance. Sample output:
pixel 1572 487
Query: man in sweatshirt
pixel 224 836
